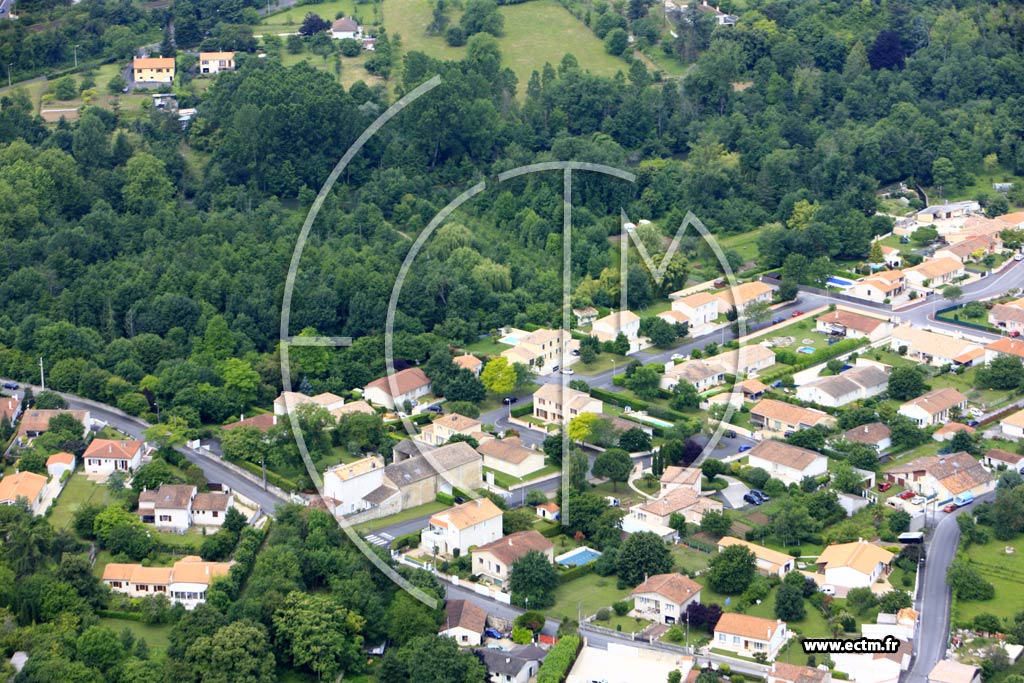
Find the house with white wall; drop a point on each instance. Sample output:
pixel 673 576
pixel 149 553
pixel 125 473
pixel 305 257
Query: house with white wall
pixel 746 635
pixel 106 456
pixel 464 621
pixel 785 462
pixel 392 392
pixel 493 561
pixel 185 583
pixel 348 484
pixel 456 530
pixel 934 407
pixel 664 597
pixel 59 463
pixel 769 562
pixel 853 565
pixel 625 322
pixel 24 487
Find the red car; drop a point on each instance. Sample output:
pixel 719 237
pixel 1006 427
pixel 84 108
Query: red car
pixel 950 508
pixel 797 314
pixel 1015 333
pixel 884 486
pixel 907 495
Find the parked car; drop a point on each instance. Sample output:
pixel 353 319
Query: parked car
pixel 492 633
pixel 568 371
pixel 554 368
pixel 761 494
pixel 965 498
pixel 436 409
pixel 575 352
pixel 797 314
pixel 509 400
pixel 918 500
pixel 884 486
pixel 973 423
pixel 907 495
pixel 11 385
pixel 613 502
pixel 828 590
pixel 678 356
pixel 1018 257
pixel 731 434
pixel 776 321
pixel 952 507
pixel 743 449
pixel 459 500
pixel 751 498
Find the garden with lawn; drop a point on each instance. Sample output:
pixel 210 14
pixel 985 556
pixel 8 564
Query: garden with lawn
pixel 585 595
pixel 1004 570
pixel 78 491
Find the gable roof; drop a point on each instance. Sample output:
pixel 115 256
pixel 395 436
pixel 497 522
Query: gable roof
pixel 210 56
pixel 673 501
pixel 616 320
pixel 743 293
pixel 684 476
pixel 506 665
pixel 468 514
pixel 851 320
pixel 192 569
pixel 170 496
pixel 510 548
pixel 405 381
pixel 936 267
pixel 432 461
pixel 1003 456
pixel 760 552
pixel 262 422
pixel 787 412
pixel 752 386
pixel 108 449
pixel 835 386
pixel 344 24
pixel 27 485
pixel 937 400
pixel 870 433
pixel 948 671
pixel 464 614
pixel 953 428
pixel 791 673
pixel 747 626
pixel 212 500
pixel 859 555
pixel 1008 345
pixel 510 450
pixel 676 587
pixel 467 361
pixel 458 423
pixel 61 458
pixel 933 343
pixel 1014 420
pixel 39 420
pixel 697 300
pixel 784 454
pixel 153 63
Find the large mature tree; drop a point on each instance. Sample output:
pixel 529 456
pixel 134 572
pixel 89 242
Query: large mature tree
pixel 789 603
pixel 317 633
pixel 732 570
pixel 239 651
pixel 312 24
pixel 431 659
pixel 906 383
pixel 643 554
pixel 644 382
pixel 613 464
pixel 498 376
pixel 716 523
pixel 533 581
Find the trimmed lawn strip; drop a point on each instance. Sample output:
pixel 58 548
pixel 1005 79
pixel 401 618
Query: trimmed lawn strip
pixel 586 594
pixel 403 516
pixel 77 492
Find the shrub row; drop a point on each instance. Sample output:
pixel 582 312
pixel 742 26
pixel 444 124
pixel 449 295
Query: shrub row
pixel 819 356
pixel 559 660
pixel 575 573
pixel 525 409
pixel 619 400
pixel 406 541
pixel 445 498
pixel 118 614
pixel 698 544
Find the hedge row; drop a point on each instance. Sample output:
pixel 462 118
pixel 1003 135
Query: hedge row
pixel 406 541
pixel 559 660
pixel 273 477
pixel 552 531
pixel 445 498
pixel 819 356
pixel 118 614
pixel 620 400
pixel 525 409
pixel 700 545
pixel 575 573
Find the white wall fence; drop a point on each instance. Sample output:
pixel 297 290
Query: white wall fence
pixel 480 589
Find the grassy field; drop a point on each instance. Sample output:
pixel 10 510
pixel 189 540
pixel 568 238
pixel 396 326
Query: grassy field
pixel 351 67
pixel 1002 570
pixel 605 362
pixel 76 493
pixel 487 347
pixel 524 48
pixel 586 594
pixel 744 244
pixel 289 20
pixel 156 637
pixel 403 516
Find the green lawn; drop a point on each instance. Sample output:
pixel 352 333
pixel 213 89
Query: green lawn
pixel 403 516
pixel 488 346
pixel 506 480
pixel 626 624
pixel 744 244
pixel 604 362
pixel 524 48
pixel 587 594
pixel 351 67
pixel 289 20
pixel 1005 572
pixel 76 493
pixel 657 307
pixel 156 636
pixel 689 560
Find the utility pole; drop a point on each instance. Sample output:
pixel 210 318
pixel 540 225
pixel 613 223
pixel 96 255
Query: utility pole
pixel 42 375
pixel 76 55
pixel 9 74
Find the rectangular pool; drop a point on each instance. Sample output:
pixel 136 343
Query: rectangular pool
pixel 578 557
pixel 840 282
pixel 510 340
pixel 806 349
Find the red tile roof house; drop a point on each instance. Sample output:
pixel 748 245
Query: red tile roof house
pixel 392 392
pixel 106 456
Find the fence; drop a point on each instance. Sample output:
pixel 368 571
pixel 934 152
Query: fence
pixel 480 589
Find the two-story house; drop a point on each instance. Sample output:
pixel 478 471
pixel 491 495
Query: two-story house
pixel 887 284
pixel 664 597
pixel 623 322
pixel 456 530
pixel 493 561
pixel 348 484
pixel 438 432
pixel 748 636
pixel 699 311
pixel 215 62
pixel 743 295
pixel 555 403
pixel 703 375
pixel 153 70
pixel 184 583
pixel 543 351
pixel 934 408
pixel 393 392
pixel 176 507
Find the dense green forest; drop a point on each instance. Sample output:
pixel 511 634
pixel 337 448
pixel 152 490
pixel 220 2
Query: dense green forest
pixel 140 257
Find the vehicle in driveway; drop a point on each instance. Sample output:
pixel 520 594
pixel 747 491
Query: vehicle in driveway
pixel 568 371
pixel 907 495
pixel 918 500
pixel 884 486
pixel 11 385
pixel 751 498
pixel 509 400
pixel 744 448
pixel 973 423
pixel 493 633
pixel 761 494
pixel 952 507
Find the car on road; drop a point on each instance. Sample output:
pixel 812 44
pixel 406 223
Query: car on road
pixel 1015 334
pixel 678 356
pixel 918 500
pixel 907 495
pixel 11 385
pixel 509 400
pixel 952 507
pixel 761 494
pixel 742 449
pixel 884 486
pixel 751 498
pixel 1018 257
pixel 554 368
pixel 568 371
pixel 776 321
pixel 436 409
pixel 797 314
pixel 731 434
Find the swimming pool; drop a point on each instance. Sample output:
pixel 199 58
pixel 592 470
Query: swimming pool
pixel 840 282
pixel 654 421
pixel 806 349
pixel 511 340
pixel 578 557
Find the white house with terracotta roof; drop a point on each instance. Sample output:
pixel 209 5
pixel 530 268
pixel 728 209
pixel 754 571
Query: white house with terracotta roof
pixel 442 429
pixel 744 295
pixel 59 463
pixel 785 462
pixel 746 635
pixel 934 273
pixel 624 322
pixel 949 671
pixel 973 248
pixel 779 417
pixel 209 508
pixel 464 621
pixel 346 27
pixel 782 672
pixel 348 484
pixel 853 565
pixel 681 501
pixel 1012 425
pixel 936 349
pixel 468 361
pixel 675 477
pixel 549 511
pixel 769 562
pixel 555 403
pixel 1009 317
pixel 10 407
pixel 185 583
pixel 846 323
pixel 106 456
pixel 872 434
pixel 943 476
pixel 26 487
pixel 510 456
pixel 473 523
pixel 748 360
pixel 392 392
pixel 290 400
pixel 215 62
pixel 664 597
pixel 703 375
pixel 996 459
pixel 886 284
pixel 494 560
pixel 1004 346
pixel 699 311
pixel 949 430
pixel 934 407
pixel 169 507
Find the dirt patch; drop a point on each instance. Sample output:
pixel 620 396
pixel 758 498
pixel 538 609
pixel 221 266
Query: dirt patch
pixel 54 115
pixel 759 518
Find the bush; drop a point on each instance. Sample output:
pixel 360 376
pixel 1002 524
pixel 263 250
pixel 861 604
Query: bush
pixel 621 607
pixel 559 660
pixel 445 498
pixel 603 614
pixel 520 411
pixel 407 541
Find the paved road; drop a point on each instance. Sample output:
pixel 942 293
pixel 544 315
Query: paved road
pixel 212 467
pixel 934 602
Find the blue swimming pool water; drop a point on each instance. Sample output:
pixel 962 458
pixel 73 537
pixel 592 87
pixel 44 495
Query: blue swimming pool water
pixel 840 282
pixel 580 557
pixel 510 340
pixel 806 349
pixel 654 421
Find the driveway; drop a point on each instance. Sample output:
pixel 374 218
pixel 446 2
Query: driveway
pixel 733 494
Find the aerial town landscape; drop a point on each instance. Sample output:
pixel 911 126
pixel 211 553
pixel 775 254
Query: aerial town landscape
pixel 554 341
